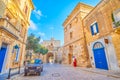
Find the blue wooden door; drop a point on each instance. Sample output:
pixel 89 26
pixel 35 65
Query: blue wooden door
pixel 2 56
pixel 100 58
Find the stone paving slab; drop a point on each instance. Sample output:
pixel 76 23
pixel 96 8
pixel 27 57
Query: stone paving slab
pixel 4 76
pixel 103 72
pixel 62 72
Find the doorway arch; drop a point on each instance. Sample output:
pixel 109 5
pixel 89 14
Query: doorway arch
pixel 100 56
pixel 50 57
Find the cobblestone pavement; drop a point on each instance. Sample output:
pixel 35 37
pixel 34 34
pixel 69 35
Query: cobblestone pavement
pixel 62 72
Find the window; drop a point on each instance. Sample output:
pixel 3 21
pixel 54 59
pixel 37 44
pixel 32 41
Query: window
pixel 71 49
pixel 16 52
pixel 70 26
pixel 117 15
pixel 71 35
pixel 76 19
pixel 116 18
pixel 94 28
pixel 65 29
pixel 98 45
pixel 26 10
pixel 22 33
pixel 17 55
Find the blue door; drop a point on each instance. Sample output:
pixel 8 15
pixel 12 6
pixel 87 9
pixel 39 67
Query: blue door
pixel 2 55
pixel 100 57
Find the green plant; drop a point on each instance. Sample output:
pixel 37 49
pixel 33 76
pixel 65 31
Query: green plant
pixel 113 17
pixel 117 23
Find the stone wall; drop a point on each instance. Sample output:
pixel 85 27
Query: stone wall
pixel 102 14
pixel 75 45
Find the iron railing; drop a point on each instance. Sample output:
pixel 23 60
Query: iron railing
pixel 13 71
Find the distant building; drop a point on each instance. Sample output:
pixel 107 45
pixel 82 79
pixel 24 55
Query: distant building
pixel 52 46
pixel 14 22
pixel 74 39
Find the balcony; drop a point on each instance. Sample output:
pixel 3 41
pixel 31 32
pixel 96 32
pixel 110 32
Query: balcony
pixel 9 28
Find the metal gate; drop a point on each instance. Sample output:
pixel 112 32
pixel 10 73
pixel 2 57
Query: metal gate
pixel 2 55
pixel 99 56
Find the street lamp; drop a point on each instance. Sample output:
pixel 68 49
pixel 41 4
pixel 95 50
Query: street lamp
pixel 16 46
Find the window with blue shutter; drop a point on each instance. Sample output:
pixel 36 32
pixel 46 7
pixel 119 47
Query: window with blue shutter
pixel 16 51
pixel 17 55
pixel 97 27
pixel 94 29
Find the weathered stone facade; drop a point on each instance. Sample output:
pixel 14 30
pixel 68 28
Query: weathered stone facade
pixel 14 22
pixel 53 47
pixel 109 34
pixel 96 30
pixel 74 40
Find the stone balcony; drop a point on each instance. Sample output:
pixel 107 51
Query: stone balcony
pixel 9 28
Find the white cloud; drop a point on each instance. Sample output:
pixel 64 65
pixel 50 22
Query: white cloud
pixel 33 26
pixel 51 28
pixel 41 34
pixel 41 40
pixel 37 13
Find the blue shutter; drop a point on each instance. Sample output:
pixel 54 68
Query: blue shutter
pixel 92 30
pixel 97 27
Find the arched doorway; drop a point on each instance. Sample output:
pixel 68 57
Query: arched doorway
pixel 100 56
pixel 50 57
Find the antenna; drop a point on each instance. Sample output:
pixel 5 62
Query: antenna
pixel 52 32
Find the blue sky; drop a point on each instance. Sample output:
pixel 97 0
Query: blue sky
pixel 48 16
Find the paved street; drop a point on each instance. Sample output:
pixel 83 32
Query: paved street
pixel 62 72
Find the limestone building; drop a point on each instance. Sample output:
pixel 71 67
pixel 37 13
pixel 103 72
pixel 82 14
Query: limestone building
pixel 14 22
pixel 53 47
pixel 102 32
pixel 74 39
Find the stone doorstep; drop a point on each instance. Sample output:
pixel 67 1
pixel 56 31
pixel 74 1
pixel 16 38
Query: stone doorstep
pixel 115 74
pixel 3 76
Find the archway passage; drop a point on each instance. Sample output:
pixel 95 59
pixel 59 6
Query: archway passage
pixel 50 57
pixel 100 56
